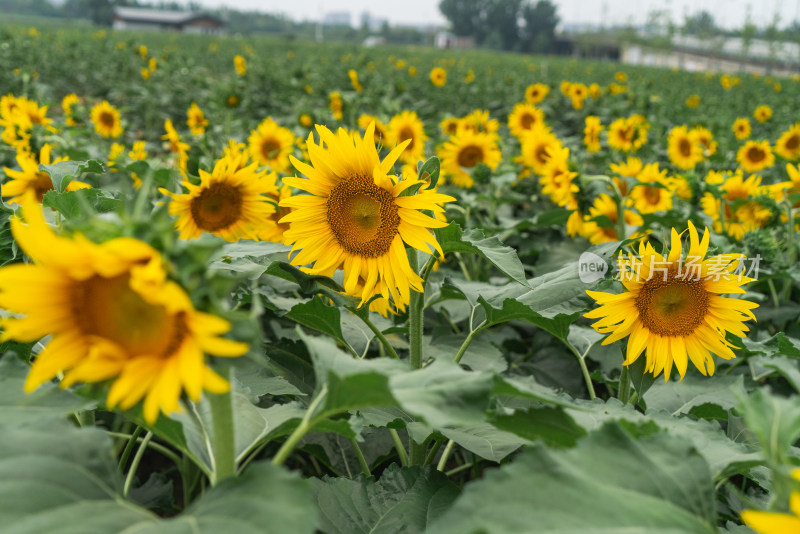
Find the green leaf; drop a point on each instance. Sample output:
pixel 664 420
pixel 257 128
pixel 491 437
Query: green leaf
pixel 552 425
pixel 780 343
pixel 596 488
pixel 788 368
pixel 724 456
pixel 486 440
pixel 451 239
pixel 59 478
pixel 679 397
pixel 317 315
pixel 72 204
pixel 48 400
pixel 62 173
pixel 404 500
pixel 775 422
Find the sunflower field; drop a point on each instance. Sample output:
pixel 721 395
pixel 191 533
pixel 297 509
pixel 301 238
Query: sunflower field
pixel 259 285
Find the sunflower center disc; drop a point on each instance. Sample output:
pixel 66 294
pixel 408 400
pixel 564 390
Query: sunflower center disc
pixel 42 185
pixel 756 155
pixel 363 217
pixel 674 307
pixel 407 133
pixel 652 194
pixel 470 156
pixel 107 119
pixel 793 143
pixel 685 147
pixel 217 207
pixel 109 309
pixel 526 121
pixel 270 148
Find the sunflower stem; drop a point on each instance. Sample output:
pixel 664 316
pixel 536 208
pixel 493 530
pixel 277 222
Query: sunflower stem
pixel 587 378
pixel 620 210
pixel 126 453
pixel 126 489
pixel 624 393
pixel 415 309
pixel 378 334
pixel 306 424
pixel 360 455
pixel 141 198
pixel 445 455
pixel 398 444
pixel 222 422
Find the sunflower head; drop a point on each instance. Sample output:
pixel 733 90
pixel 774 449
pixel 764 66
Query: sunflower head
pixel 112 314
pixel 755 156
pixel 672 309
pixel 355 218
pixel 105 118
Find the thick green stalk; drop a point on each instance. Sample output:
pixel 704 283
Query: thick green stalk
pixel 223 439
pixel 415 306
pixel 360 455
pixel 306 424
pixel 624 385
pixel 123 461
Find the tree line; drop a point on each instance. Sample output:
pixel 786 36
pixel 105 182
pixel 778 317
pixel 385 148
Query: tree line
pixel 520 25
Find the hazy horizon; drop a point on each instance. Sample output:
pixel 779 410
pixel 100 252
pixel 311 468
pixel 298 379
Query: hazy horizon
pixel 727 13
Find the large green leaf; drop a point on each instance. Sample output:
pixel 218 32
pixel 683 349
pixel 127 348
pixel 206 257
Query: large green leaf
pixel 17 407
pixel 724 456
pixel 486 440
pixel 609 483
pixel 58 478
pixel 452 239
pixel 403 500
pixel 679 397
pixel 62 173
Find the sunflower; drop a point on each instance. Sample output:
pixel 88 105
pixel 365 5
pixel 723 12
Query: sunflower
pixel 628 168
pixel 228 202
pixel 380 129
pixel 438 76
pixel 449 126
pixel 605 206
pixel 535 145
pixel 112 315
pixel 536 93
pixel 693 101
pixel 175 145
pixel 682 149
pixel 196 120
pixel 788 145
pixel 31 179
pixel 762 113
pixel 271 229
pixel 240 64
pixel 105 118
pixel 577 93
pixel 754 156
pixel 672 309
pixel 705 139
pixel 271 145
pixel 735 191
pixel 741 128
pixel 336 104
pixel 556 178
pixel 651 197
pixel 305 120
pixel 355 217
pixel 523 117
pixel 464 151
pixel 138 151
pixel 479 121
pixel 66 104
pixel 627 134
pixel 773 522
pixel 591 133
pixel 353 75
pixel 406 126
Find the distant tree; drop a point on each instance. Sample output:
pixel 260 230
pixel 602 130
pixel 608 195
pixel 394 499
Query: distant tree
pixel 467 17
pixel 540 21
pixel 748 32
pixel 701 24
pixel 503 21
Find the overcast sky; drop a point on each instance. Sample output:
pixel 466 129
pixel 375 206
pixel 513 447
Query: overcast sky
pixel 727 13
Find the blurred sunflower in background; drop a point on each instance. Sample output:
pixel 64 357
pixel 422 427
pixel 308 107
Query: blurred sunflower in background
pixel 407 126
pixel 464 151
pixel 271 144
pixel 105 118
